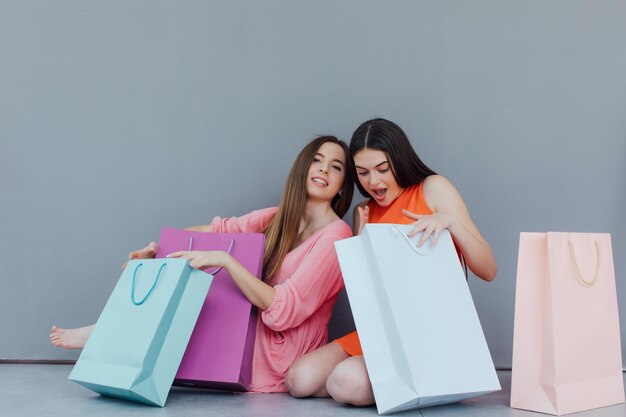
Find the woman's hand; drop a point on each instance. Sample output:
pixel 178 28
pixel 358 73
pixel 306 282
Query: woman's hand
pixel 203 259
pixel 430 224
pixel 256 291
pixel 364 215
pixel 149 252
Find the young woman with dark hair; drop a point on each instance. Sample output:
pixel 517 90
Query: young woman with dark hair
pixel 401 189
pixel 301 275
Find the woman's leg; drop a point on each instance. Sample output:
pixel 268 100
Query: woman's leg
pixel 307 375
pixel 349 383
pixel 70 338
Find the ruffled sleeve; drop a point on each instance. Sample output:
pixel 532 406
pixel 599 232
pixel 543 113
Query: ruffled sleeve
pixel 317 279
pixel 253 222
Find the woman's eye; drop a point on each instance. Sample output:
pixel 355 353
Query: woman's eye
pixel 362 174
pixel 382 171
pixel 316 159
pixel 337 167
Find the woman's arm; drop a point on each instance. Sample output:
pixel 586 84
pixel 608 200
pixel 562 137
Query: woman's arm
pixel 150 251
pixel 202 228
pixel 253 222
pixel 259 293
pixel 289 303
pixel 451 213
pixel 316 280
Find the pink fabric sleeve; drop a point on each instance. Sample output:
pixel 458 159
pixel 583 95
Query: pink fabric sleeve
pixel 317 279
pixel 253 222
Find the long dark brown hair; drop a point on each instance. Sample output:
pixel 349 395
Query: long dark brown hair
pixel 386 136
pixel 282 231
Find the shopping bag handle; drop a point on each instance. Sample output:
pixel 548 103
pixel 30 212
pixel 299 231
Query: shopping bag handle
pixel 132 294
pixel 417 250
pixel 232 241
pixel 595 274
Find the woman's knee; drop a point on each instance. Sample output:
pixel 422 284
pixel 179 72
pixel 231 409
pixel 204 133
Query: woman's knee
pixel 300 380
pixel 349 383
pixel 307 376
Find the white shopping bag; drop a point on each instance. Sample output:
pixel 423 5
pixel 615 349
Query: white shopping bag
pixel 421 337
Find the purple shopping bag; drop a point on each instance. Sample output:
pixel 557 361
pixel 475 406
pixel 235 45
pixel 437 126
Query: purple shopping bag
pixel 219 353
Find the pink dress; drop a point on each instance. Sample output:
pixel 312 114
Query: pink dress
pixel 307 285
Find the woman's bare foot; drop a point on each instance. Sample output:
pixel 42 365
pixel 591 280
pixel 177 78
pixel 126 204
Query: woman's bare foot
pixel 70 338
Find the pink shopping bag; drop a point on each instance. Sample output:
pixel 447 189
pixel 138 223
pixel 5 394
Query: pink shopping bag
pixel 566 348
pixel 219 353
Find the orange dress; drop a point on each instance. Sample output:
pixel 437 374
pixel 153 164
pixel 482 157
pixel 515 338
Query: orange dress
pixel 412 199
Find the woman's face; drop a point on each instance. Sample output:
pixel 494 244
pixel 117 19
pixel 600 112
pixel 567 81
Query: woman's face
pixel 327 172
pixel 374 171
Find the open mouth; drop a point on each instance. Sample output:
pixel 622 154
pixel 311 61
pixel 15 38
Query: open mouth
pixel 320 182
pixel 379 193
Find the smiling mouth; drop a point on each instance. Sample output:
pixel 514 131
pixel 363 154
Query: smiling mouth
pixel 319 182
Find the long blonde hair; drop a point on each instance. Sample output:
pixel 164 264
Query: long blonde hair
pixel 282 231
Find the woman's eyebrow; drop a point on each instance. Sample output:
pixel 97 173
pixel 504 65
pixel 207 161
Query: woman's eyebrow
pixel 324 156
pixel 382 163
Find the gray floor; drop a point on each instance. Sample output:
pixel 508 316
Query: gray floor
pixel 43 390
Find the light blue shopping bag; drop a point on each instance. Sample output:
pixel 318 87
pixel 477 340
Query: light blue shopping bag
pixel 140 338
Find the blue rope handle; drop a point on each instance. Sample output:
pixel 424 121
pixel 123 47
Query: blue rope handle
pixel 132 294
pixel 230 247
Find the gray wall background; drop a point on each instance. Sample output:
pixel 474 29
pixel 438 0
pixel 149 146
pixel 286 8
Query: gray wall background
pixel 118 118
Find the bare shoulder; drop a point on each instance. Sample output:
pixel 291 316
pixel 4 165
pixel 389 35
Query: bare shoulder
pixel 438 184
pixel 439 192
